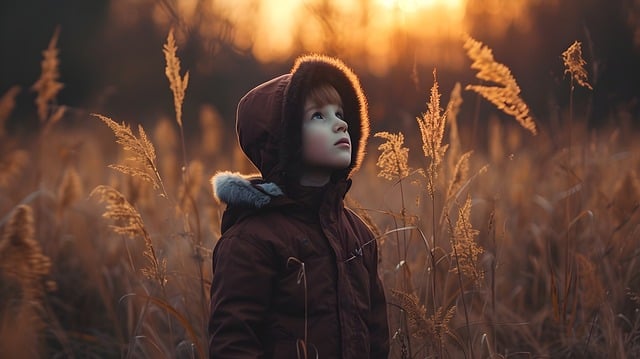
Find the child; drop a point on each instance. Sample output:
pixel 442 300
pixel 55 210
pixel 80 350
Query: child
pixel 295 272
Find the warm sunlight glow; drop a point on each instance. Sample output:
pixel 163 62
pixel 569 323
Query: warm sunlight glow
pixel 376 34
pixel 416 5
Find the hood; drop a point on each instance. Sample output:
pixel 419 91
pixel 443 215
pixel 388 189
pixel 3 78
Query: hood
pixel 269 117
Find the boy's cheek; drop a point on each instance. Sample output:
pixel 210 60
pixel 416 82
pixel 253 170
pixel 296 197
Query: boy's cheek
pixel 314 147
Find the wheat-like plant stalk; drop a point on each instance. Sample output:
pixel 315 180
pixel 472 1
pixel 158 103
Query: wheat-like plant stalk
pixel 142 153
pixel 12 165
pixel 21 256
pixel 434 328
pixel 128 222
pixel 394 158
pixel 453 109
pixel 48 86
pixel 7 103
pixel 419 324
pixel 70 188
pixel 506 96
pixel 460 175
pixel 432 124
pixel 574 65
pixel 172 70
pixel 465 250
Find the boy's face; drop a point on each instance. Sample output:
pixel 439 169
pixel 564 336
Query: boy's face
pixel 325 140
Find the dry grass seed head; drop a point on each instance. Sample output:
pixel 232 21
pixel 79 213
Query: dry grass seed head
pixel 128 222
pixel 453 108
pixel 432 125
pixel 464 247
pixel 141 149
pixel 506 96
pixel 419 325
pixel 177 83
pixel 7 103
pixel 47 86
pixel 21 257
pixel 70 189
pixel 460 174
pixel 12 166
pixel 394 158
pixel 574 64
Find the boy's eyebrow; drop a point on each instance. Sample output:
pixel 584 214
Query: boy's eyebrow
pixel 315 106
pixel 310 107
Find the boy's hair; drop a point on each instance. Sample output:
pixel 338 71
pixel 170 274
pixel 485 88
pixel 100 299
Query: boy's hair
pixel 324 94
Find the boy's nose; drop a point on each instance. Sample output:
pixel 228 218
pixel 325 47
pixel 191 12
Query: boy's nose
pixel 341 125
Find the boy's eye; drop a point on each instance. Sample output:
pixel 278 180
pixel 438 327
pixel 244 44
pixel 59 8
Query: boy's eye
pixel 316 116
pixel 340 115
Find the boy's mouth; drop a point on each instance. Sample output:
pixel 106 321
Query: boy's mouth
pixel 342 141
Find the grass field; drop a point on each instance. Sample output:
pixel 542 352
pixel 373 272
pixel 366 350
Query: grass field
pixel 515 240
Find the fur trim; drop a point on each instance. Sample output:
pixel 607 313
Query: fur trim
pixel 233 188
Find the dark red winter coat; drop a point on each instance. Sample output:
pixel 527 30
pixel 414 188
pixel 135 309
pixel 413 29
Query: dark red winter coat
pixel 294 268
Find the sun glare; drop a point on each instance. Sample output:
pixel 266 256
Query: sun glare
pixel 409 6
pixel 374 33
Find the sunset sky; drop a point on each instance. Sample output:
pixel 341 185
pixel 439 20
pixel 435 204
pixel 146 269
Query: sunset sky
pixel 110 50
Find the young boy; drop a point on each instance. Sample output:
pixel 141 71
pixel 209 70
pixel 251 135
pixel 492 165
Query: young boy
pixel 295 272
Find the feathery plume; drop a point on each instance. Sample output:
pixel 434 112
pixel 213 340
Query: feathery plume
pixel 574 64
pixel 21 257
pixel 47 86
pixel 141 149
pixel 460 174
pixel 178 84
pixel 70 189
pixel 453 108
pixel 11 166
pixel 394 158
pixel 128 222
pixel 7 103
pixel 465 250
pixel 506 96
pixel 432 124
pixel 421 326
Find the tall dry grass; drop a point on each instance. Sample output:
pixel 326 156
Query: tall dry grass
pixel 519 249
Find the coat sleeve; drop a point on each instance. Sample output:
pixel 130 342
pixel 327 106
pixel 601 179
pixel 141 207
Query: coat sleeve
pixel 243 269
pixel 378 325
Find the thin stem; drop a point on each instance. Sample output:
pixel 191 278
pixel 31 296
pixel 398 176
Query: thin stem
pixel 567 269
pixel 464 303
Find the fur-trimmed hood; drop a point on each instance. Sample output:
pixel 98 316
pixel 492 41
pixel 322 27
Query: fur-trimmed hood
pixel 269 117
